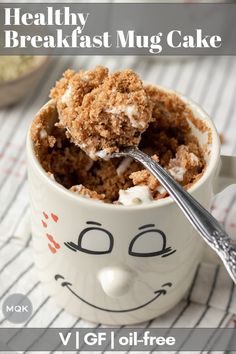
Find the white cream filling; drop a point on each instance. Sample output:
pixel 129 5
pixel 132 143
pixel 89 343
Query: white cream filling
pixel 135 196
pixel 194 158
pixel 43 134
pixel 94 154
pixel 177 173
pixel 130 111
pixel 161 190
pixel 67 95
pixel 123 166
pixel 102 154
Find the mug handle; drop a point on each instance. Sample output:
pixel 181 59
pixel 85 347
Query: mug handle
pixel 225 248
pixel 227 173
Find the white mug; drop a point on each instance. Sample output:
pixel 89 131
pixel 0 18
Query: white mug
pixel 128 264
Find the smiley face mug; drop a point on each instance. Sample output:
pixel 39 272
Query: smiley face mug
pixel 116 264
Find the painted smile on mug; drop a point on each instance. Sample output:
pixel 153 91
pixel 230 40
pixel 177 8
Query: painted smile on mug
pixel 96 241
pixel 157 294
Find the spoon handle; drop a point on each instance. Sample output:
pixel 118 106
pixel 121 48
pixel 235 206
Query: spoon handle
pixel 199 217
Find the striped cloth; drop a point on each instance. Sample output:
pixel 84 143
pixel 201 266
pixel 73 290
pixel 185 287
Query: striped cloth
pixel 210 81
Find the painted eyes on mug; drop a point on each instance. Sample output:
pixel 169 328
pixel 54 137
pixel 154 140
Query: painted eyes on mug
pixel 104 240
pixel 149 242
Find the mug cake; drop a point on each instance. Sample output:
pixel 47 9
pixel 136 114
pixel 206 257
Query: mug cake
pixel 98 113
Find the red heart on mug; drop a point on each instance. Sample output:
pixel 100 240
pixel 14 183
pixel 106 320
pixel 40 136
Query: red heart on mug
pixel 55 217
pixel 44 224
pixel 45 215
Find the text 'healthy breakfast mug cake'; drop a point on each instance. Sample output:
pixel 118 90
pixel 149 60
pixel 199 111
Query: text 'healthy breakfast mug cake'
pixel 109 244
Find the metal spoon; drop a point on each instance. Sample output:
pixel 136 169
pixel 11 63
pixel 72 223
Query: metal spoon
pixel 207 226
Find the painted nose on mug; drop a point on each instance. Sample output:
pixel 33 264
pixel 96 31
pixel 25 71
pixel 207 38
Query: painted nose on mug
pixel 116 281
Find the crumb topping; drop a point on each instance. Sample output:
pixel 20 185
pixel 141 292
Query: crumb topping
pixel 104 112
pixel 156 120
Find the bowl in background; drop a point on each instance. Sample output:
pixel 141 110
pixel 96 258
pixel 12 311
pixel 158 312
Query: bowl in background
pixel 12 91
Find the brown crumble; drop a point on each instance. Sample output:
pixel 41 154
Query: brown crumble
pixel 167 138
pixel 102 112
